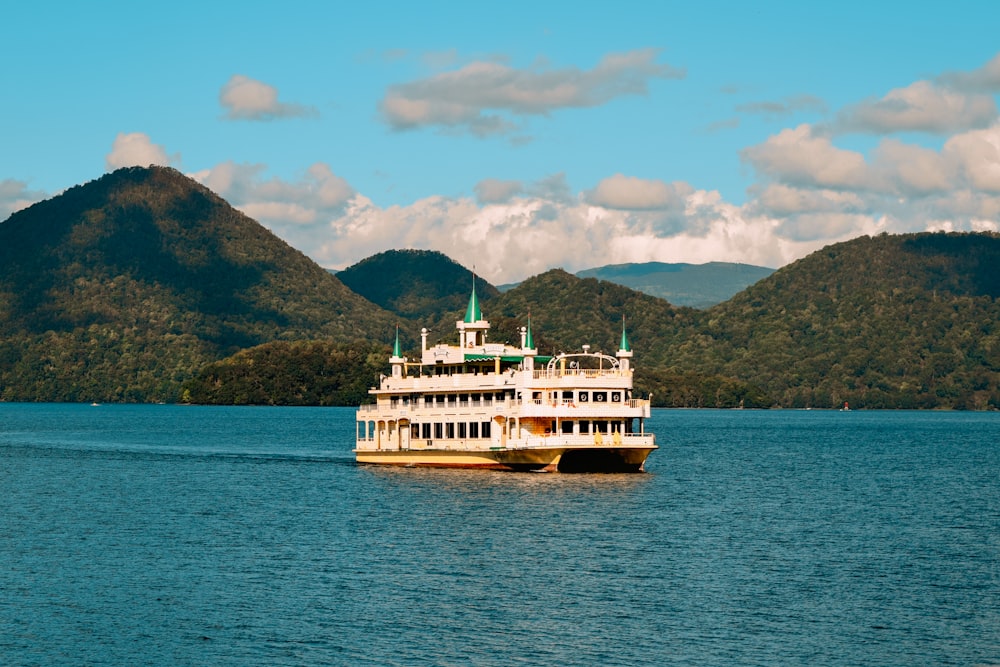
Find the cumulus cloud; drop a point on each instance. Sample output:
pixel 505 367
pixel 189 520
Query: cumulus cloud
pixel 15 195
pixel 135 149
pixel 630 193
pixel 804 157
pixel 986 79
pixel 911 170
pixel 297 211
pixel 244 98
pixel 977 155
pixel 920 107
pixel 511 230
pixel 493 191
pixel 481 96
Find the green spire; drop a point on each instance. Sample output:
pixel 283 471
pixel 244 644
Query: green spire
pixel 529 342
pixel 396 351
pixel 473 313
pixel 624 344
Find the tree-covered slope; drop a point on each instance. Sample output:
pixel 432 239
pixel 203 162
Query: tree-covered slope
pixel 415 284
pixel 890 321
pixel 121 288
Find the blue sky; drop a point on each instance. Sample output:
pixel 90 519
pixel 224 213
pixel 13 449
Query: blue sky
pixel 523 136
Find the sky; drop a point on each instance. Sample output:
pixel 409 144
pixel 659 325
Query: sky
pixel 517 137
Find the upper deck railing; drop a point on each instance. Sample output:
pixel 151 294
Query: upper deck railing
pixel 560 409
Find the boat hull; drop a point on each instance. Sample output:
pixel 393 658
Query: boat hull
pixel 550 459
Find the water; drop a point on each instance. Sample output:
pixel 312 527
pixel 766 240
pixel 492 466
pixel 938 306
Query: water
pixel 167 535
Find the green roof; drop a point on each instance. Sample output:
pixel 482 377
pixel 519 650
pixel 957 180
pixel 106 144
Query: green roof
pixel 473 313
pixel 512 358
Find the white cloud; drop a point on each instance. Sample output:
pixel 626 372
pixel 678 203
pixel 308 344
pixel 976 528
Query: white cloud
pixel 800 156
pixel 630 193
pixel 912 170
pixel 481 96
pixel 15 195
pixel 985 79
pixel 919 107
pixel 978 157
pixel 248 99
pixel 135 149
pixel 493 191
pixel 298 211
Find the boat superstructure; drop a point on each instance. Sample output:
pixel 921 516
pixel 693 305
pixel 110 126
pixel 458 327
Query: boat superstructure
pixel 479 404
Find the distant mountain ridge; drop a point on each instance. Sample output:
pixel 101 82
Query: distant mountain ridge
pixel 695 285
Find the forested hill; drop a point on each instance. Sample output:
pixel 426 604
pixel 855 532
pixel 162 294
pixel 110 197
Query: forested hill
pixel 906 321
pixel 887 322
pixel 420 285
pixel 119 289
pixel 143 282
pixel 890 321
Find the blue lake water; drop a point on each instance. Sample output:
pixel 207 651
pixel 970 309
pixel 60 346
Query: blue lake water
pixel 170 535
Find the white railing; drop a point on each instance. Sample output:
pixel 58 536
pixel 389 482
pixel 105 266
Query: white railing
pixel 583 440
pixel 588 373
pixel 458 382
pixel 562 409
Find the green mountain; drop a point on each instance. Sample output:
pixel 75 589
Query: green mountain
pixel 415 284
pixel 145 286
pixel 120 289
pixel 893 321
pixel 568 312
pixel 694 285
pixel 906 321
pixel 888 322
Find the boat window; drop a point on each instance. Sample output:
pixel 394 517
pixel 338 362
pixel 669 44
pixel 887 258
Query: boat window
pixel 463 398
pixel 485 430
pixel 461 430
pixel 600 396
pixel 600 427
pixel 425 431
pixel 536 396
pixel 449 430
pixel 616 397
pixel 474 430
pixel 438 430
pixel 567 427
pixel 451 400
pixel 584 427
pixel 440 399
pixel 583 397
pixel 567 396
pixel 394 401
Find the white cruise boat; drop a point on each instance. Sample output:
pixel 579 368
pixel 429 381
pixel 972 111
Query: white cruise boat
pixel 492 405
